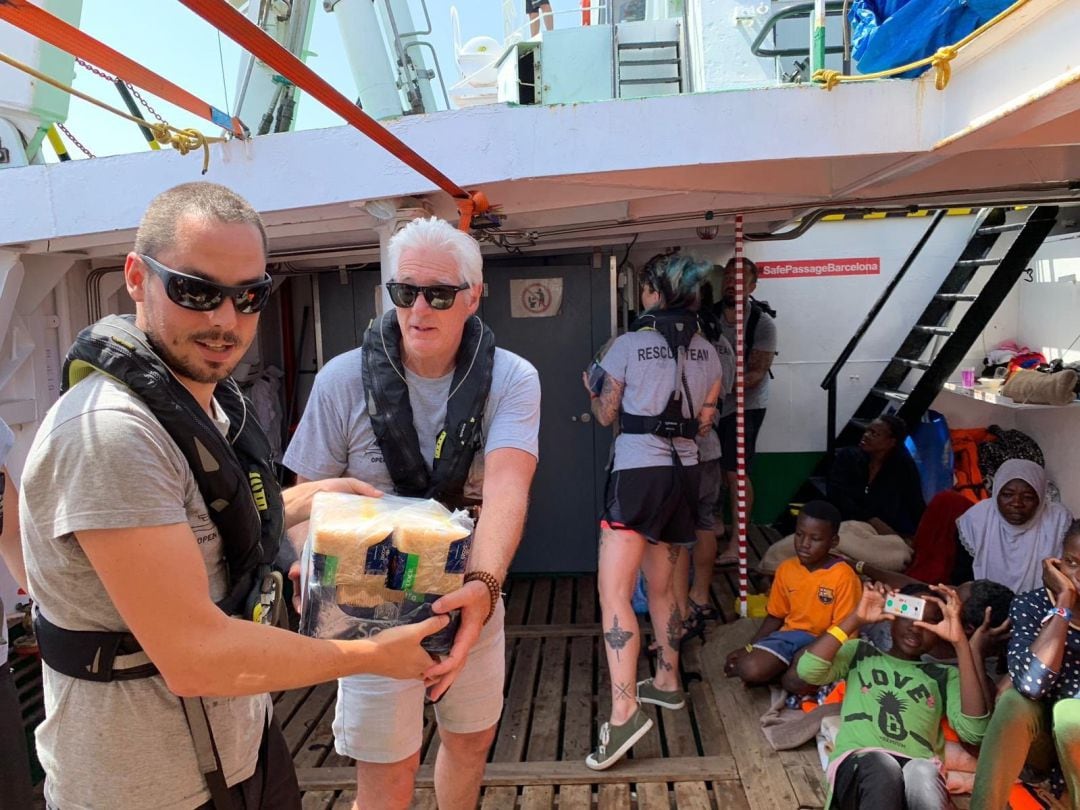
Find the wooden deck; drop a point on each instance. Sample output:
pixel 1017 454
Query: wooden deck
pixel 709 755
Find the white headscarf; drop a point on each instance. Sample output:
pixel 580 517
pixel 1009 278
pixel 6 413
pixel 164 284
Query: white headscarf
pixel 1008 554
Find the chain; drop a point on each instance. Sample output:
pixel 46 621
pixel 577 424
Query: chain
pixel 75 140
pixel 134 91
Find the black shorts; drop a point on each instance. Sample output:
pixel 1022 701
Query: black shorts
pixel 726 429
pixel 651 502
pixel 273 786
pixel 533 6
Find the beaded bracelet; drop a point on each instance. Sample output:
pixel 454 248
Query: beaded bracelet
pixel 492 584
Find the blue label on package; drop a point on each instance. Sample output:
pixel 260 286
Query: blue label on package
pixel 457 556
pixel 378 558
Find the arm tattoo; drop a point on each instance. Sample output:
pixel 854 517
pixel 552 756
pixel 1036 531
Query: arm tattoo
pixel 606 406
pixel 758 367
pixel 617 637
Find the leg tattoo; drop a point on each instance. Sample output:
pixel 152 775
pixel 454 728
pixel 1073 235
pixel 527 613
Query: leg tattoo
pixel 661 663
pixel 673 553
pixel 674 628
pixel 622 692
pixel 617 637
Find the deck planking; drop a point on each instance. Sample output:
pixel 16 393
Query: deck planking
pixel 708 756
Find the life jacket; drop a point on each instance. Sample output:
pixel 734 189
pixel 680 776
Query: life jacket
pixel 238 484
pixel 391 412
pixel 967 473
pixel 233 473
pixel 678 327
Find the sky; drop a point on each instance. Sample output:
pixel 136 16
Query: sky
pixel 176 43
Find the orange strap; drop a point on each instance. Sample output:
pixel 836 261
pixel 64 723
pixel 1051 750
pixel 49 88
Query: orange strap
pixel 260 44
pixel 43 25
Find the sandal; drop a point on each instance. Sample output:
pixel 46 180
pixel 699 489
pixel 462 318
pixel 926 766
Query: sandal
pixel 727 559
pixel 706 612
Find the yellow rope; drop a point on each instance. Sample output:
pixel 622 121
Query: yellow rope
pixel 940 61
pixel 182 140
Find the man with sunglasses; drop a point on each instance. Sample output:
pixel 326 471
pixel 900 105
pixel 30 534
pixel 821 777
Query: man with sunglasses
pixel 130 548
pixel 428 406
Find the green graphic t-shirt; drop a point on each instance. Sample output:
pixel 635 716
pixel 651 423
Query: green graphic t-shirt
pixel 891 703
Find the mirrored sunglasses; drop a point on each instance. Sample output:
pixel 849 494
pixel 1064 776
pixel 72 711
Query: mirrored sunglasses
pixel 201 295
pixel 438 296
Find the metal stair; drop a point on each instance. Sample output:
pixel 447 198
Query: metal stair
pixel 895 390
pixel 936 368
pixel 649 63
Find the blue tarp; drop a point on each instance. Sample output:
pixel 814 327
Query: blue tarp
pixel 889 33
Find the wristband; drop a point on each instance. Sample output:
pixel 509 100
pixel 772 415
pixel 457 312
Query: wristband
pixel 859 566
pixel 494 589
pixel 1064 613
pixel 837 632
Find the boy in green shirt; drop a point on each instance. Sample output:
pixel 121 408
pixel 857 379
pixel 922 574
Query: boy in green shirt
pixel 890 747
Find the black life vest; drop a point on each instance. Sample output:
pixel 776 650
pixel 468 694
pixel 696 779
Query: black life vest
pixel 233 473
pixel 391 412
pixel 678 327
pixel 237 481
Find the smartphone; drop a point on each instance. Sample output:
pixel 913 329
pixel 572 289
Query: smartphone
pixel 596 378
pixel 904 606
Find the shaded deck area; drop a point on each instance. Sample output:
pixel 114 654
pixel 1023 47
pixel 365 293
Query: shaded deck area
pixel 709 755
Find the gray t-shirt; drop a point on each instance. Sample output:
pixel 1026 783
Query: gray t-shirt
pixel 764 341
pixel 644 362
pixel 709 444
pixel 101 461
pixel 335 438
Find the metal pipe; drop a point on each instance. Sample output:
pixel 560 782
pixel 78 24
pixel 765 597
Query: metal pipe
pixel 133 108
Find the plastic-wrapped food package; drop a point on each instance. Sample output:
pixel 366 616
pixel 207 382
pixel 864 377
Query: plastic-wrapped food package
pixel 373 563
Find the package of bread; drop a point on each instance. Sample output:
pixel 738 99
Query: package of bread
pixel 430 552
pixel 373 563
pixel 351 534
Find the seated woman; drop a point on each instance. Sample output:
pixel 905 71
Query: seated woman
pixel 1006 537
pixel 877 481
pixel 1041 711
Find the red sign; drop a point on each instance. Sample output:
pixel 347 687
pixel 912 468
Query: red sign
pixel 797 268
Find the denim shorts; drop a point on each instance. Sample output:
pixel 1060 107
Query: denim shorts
pixel 785 644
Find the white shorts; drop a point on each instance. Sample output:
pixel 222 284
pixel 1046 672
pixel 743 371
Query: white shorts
pixel 382 720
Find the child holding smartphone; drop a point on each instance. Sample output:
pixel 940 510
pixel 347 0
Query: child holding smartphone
pixel 890 747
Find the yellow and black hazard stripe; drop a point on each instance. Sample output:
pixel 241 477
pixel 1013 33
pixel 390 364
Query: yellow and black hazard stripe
pixel 951 212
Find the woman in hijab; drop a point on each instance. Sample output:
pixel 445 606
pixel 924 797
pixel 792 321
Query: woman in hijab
pixel 1006 538
pixel 877 481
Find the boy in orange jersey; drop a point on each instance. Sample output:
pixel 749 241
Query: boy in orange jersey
pixel 810 593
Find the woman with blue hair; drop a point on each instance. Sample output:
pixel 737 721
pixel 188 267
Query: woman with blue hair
pixel 660 381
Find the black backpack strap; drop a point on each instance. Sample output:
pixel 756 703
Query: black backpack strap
pixel 206 753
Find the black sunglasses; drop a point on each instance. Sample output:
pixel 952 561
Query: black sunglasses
pixel 192 292
pixel 438 296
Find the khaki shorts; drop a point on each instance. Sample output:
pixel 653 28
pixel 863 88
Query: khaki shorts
pixel 382 720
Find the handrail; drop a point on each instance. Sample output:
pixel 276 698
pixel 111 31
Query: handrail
pixel 833 8
pixel 845 355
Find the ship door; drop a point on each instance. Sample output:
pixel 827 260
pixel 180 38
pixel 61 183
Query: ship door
pixel 555 313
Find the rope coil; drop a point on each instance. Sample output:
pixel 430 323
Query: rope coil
pixel 939 61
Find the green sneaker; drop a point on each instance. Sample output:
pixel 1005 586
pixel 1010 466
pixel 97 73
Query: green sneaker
pixel 615 741
pixel 648 693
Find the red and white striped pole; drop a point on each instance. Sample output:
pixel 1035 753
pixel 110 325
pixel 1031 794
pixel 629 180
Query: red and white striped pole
pixel 740 516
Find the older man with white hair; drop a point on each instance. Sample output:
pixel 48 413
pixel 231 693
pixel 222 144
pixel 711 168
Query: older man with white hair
pixel 428 406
